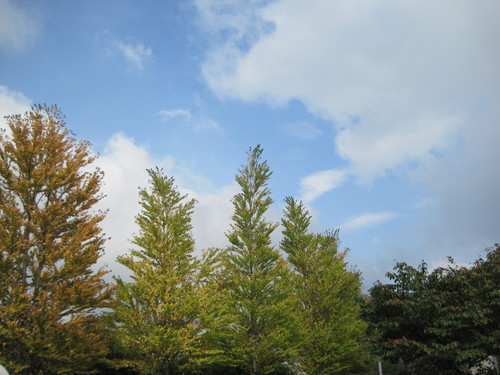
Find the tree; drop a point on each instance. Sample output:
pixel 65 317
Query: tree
pixel 50 240
pixel 158 312
pixel 396 313
pixel 444 321
pixel 255 281
pixel 333 338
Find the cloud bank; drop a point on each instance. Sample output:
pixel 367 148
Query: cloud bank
pixel 410 86
pixel 393 76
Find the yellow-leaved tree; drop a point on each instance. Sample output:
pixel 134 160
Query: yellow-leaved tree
pixel 50 294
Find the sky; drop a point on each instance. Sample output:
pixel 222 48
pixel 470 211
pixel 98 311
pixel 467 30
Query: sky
pixel 382 116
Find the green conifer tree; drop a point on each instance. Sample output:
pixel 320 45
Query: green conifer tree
pixel 255 281
pixel 158 312
pixel 333 337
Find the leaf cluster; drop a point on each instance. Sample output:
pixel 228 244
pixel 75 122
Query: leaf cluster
pixel 446 320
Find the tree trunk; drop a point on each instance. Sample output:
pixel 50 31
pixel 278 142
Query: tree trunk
pixel 166 369
pixel 253 370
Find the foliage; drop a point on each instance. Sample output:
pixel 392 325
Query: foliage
pixel 485 276
pixel 444 321
pixel 49 241
pixel 254 280
pixel 243 309
pixel 333 337
pixel 158 312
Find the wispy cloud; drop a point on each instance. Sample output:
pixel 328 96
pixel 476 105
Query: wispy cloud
pixel 202 124
pixel 313 186
pixel 19 25
pixel 137 55
pixel 167 115
pixel 195 122
pixel 368 220
pixel 302 130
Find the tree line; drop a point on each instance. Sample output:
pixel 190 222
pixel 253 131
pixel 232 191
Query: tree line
pixel 249 308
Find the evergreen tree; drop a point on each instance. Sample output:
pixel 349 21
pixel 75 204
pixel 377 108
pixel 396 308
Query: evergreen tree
pixel 333 334
pixel 50 240
pixel 259 336
pixel 158 312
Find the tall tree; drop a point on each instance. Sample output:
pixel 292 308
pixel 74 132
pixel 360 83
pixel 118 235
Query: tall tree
pixel 259 338
pixel 333 339
pixel 159 310
pixel 50 240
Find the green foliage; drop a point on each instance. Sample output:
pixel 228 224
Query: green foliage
pixel 333 333
pixel 445 321
pixel 485 277
pixel 49 241
pixel 158 312
pixel 259 330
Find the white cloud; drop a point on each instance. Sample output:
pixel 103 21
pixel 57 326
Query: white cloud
pixel 167 115
pixel 11 103
pixel 137 55
pixel 412 85
pixel 368 220
pixel 319 183
pixel 374 150
pixel 18 26
pixel 195 122
pixel 394 76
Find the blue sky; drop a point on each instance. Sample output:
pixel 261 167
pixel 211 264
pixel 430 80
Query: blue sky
pixel 381 115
